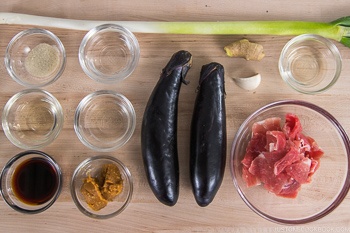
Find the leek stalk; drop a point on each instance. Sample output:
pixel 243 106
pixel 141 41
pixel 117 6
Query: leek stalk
pixel 338 30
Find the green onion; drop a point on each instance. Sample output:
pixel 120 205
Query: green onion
pixel 338 30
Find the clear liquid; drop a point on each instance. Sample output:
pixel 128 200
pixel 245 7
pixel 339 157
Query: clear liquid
pixel 34 120
pixel 306 66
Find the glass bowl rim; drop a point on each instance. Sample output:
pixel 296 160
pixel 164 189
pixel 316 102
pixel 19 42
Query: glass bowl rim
pixel 345 140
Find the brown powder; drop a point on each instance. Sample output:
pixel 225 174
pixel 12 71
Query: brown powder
pixel 42 60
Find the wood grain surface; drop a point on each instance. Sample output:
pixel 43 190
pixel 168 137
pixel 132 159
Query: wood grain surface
pixel 228 212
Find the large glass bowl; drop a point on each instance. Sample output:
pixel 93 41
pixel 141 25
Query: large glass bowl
pixel 330 183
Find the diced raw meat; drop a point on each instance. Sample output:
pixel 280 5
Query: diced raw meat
pixel 292 156
pixel 315 152
pixel 275 184
pixel 290 190
pixel 258 165
pixel 300 170
pixel 275 141
pixel 292 126
pixel 270 124
pixel 313 167
pixel 280 158
pixel 274 156
pixel 262 168
pixel 248 158
pixel 249 178
pixel 257 143
pixel 302 143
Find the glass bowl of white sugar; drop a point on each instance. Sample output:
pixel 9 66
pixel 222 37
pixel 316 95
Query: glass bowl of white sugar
pixel 35 58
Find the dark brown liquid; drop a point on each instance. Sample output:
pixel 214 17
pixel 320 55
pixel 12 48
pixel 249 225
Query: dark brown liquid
pixel 35 181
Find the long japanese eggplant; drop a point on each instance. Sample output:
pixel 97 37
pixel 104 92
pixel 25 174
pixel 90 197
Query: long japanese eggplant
pixel 159 130
pixel 208 135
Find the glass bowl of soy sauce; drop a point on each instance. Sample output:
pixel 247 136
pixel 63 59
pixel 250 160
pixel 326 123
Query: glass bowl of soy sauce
pixel 31 182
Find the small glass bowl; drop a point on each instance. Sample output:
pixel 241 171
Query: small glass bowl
pixel 330 183
pixel 104 120
pixel 109 53
pixel 35 58
pixel 32 118
pixel 92 166
pixel 310 64
pixel 53 181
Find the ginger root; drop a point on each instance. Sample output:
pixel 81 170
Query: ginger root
pixel 246 49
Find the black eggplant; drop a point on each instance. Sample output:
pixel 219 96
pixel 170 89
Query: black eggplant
pixel 208 135
pixel 159 130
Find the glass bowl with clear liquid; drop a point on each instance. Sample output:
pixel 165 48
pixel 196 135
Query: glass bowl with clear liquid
pixel 104 120
pixel 32 119
pixel 310 64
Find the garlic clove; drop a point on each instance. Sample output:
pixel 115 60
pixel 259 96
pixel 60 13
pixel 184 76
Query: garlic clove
pixel 248 83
